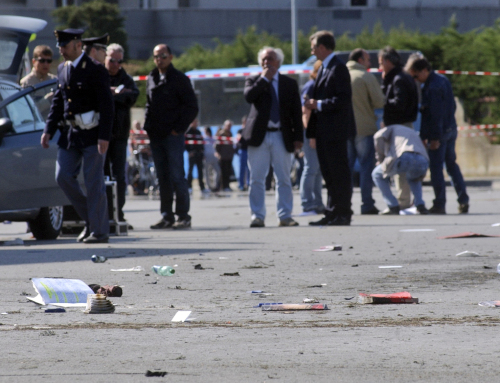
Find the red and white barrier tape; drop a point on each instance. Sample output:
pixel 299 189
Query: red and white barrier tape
pixel 479 127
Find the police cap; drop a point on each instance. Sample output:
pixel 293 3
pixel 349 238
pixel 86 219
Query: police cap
pixel 67 35
pixel 101 42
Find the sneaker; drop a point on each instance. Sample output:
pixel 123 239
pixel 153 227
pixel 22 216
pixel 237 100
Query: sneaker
pixel 182 223
pixel 371 211
pixel 340 220
pixel 322 222
pixel 437 210
pixel 162 224
pixel 390 211
pixel 422 209
pixel 463 208
pixel 288 222
pixel 257 222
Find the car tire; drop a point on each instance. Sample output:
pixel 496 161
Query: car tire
pixel 48 223
pixel 213 176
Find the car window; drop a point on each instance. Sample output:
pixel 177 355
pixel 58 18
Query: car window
pixel 8 46
pixel 21 115
pixel 41 99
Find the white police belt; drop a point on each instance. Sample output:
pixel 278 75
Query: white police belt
pixel 85 121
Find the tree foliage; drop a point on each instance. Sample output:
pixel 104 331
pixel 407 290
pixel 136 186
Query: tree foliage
pixel 96 17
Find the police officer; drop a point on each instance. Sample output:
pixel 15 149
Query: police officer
pixel 82 109
pixel 95 47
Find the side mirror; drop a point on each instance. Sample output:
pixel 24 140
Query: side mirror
pixel 5 127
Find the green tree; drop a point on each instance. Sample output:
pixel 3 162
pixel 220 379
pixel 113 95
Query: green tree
pixel 96 17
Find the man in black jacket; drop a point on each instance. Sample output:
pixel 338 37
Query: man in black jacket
pixel 195 149
pixel 171 106
pixel 401 107
pixel 125 94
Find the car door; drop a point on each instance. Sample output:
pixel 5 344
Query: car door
pixel 26 169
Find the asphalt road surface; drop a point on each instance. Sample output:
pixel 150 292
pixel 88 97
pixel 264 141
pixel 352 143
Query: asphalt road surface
pixel 447 337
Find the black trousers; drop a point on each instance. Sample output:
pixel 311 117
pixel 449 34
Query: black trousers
pixel 334 164
pixel 226 167
pixel 196 159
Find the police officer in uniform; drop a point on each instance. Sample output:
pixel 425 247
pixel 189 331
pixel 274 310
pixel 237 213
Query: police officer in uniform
pixel 82 109
pixel 95 47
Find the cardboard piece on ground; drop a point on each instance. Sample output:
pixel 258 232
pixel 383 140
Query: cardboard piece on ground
pixel 467 234
pixel 329 248
pixel 402 297
pixel 181 316
pixel 288 307
pixel 61 292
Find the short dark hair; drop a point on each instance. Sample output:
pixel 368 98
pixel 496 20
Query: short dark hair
pixel 389 53
pixel 324 38
pixel 356 54
pixel 420 64
pixel 42 50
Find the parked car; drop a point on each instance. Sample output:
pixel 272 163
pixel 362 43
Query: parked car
pixel 28 191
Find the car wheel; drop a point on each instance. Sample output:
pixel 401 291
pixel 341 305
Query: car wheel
pixel 213 176
pixel 48 223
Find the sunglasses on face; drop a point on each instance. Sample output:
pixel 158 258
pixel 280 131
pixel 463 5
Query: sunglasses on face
pixel 115 61
pixel 162 56
pixel 43 61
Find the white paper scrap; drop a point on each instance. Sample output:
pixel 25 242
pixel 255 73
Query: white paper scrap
pixel 181 316
pixel 329 248
pixel 61 292
pixel 390 267
pixel 415 230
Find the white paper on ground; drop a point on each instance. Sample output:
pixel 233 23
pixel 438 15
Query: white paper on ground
pixel 305 214
pixel 410 211
pixel 415 230
pixel 329 248
pixel 137 268
pixel 181 316
pixel 390 267
pixel 61 292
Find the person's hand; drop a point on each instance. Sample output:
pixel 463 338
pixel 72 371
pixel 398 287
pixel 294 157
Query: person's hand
pixel 311 104
pixel 434 145
pixel 269 72
pixel 174 133
pixel 297 145
pixel 102 146
pixel 312 143
pixel 48 95
pixel 44 141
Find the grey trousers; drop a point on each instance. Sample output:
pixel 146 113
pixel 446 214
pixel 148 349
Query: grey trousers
pixel 93 207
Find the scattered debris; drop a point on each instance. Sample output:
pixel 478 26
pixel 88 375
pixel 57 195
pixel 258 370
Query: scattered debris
pixel 289 307
pixel 53 309
pixel 355 265
pixel 329 248
pixel 415 230
pixel 256 292
pixel 487 267
pixel 136 268
pixel 402 297
pixel 468 234
pixel 60 292
pixel 15 242
pixel 198 267
pixel 467 253
pixel 390 267
pixel 108 290
pixel 98 259
pixel 308 300
pixel 181 316
pixel 489 304
pixel 156 373
pixel 236 274
pixel 99 304
pixel 317 286
pixel 47 333
pixel 267 304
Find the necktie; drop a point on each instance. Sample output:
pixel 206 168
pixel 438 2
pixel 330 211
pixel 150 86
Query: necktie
pixel 275 107
pixel 70 70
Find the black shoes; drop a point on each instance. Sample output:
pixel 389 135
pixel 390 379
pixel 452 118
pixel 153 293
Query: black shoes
pixel 422 209
pixel 162 224
pixel 371 211
pixel 463 208
pixel 182 223
pixel 437 210
pixel 84 234
pixel 390 211
pixel 338 220
pixel 257 222
pixel 96 239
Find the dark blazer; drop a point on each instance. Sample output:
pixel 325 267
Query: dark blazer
pixel 335 121
pixel 88 89
pixel 401 97
pixel 258 93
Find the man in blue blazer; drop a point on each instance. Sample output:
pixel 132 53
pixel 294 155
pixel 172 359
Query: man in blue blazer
pixel 330 126
pixel 273 132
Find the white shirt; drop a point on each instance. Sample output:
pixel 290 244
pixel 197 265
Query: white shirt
pixel 77 60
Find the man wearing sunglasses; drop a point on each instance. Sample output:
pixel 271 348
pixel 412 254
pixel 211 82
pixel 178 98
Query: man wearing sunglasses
pixel 42 58
pixel 171 106
pixel 125 94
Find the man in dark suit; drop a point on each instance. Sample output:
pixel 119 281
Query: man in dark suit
pixel 273 132
pixel 330 126
pixel 82 109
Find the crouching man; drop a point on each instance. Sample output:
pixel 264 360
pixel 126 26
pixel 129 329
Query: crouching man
pixel 399 150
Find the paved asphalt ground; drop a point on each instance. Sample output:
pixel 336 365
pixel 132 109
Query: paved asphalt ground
pixel 445 338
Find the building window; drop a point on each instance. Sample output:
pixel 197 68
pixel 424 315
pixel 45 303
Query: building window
pixel 183 3
pixel 64 3
pixel 14 2
pixel 325 3
pixel 359 3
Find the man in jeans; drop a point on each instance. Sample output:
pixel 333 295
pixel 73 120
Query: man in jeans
pixel 171 106
pixel 399 150
pixel 439 132
pixel 366 97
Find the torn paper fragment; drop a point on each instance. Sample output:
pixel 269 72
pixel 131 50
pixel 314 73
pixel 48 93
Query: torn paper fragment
pixel 181 316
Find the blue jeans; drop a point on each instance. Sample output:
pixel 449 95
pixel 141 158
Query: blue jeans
pixel 92 207
pixel 117 156
pixel 168 155
pixel 363 149
pixel 271 152
pixel 445 154
pixel 244 178
pixel 414 166
pixel 311 180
